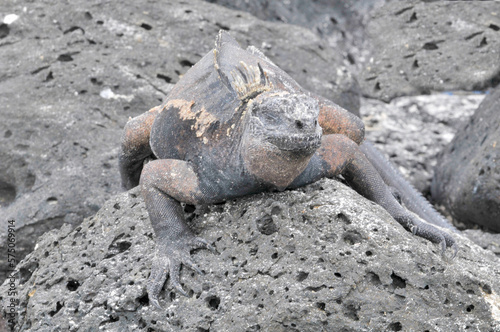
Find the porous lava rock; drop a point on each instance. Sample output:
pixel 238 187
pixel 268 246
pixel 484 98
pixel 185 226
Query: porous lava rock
pixel 419 46
pixel 411 131
pixel 467 178
pixel 314 259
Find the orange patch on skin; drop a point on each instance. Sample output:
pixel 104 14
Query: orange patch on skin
pixel 174 177
pixel 340 121
pixel 337 151
pixel 203 119
pixel 138 129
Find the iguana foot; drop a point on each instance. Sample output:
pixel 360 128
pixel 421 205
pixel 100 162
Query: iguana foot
pixel 429 232
pixel 167 261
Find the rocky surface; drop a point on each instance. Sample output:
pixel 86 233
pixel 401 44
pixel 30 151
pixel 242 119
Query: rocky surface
pixel 486 240
pixel 315 259
pixel 340 23
pixel 411 131
pixel 419 46
pixel 467 180
pixel 72 74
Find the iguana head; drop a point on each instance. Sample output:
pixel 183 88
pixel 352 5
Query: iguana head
pixel 282 134
pixel 287 121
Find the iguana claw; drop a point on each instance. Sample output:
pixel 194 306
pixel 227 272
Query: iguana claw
pixel 167 262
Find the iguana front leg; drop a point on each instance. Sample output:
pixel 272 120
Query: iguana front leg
pixel 135 147
pixel 334 119
pixel 164 184
pixel 340 155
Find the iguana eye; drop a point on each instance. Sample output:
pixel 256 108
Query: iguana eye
pixel 271 117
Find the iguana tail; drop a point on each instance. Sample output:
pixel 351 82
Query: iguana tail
pixel 411 198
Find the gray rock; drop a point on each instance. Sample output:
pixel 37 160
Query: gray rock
pixel 320 258
pixel 411 131
pixel 417 47
pixel 467 179
pixel 72 73
pixel 485 240
pixel 340 23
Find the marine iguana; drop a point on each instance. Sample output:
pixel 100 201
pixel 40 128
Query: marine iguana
pixel 235 124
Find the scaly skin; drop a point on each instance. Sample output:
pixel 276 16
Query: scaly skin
pixel 234 125
pixel 412 199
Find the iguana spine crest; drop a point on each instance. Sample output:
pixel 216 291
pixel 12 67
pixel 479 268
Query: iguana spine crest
pixel 250 81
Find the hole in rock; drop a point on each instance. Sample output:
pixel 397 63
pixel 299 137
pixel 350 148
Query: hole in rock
pixel 276 210
pixel 352 237
pixel 302 276
pixel 73 28
pixel 486 288
pixel 374 279
pixel 186 63
pixel 397 281
pixel 213 302
pixel 189 208
pixel 350 58
pixel 222 26
pixel 66 57
pixel 72 285
pixel 430 46
pixel 166 78
pixel 321 305
pixel 266 225
pixel 7 193
pixel 342 217
pixel 58 307
pixel 4 30
pixel 399 12
pixel 351 311
pixel 473 35
pixel 143 300
pixel 483 42
pixel 395 326
pixel 117 246
pixel 49 77
pixel 413 18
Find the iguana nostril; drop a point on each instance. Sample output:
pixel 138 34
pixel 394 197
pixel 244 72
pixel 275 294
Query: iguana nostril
pixel 299 124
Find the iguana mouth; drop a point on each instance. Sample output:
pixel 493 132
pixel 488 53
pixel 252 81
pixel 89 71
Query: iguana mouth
pixel 296 143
